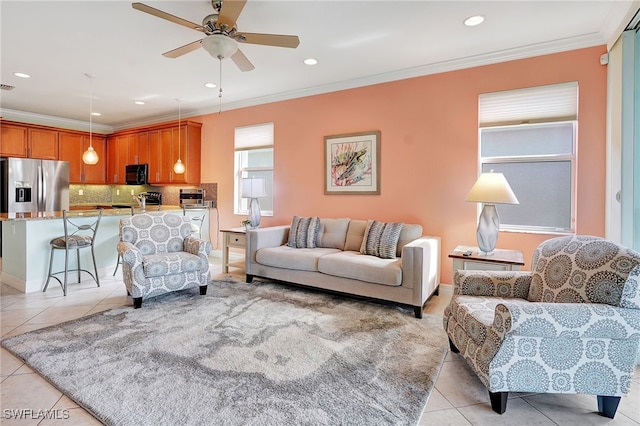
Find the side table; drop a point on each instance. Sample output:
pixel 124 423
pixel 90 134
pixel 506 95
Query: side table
pixel 497 260
pixel 233 237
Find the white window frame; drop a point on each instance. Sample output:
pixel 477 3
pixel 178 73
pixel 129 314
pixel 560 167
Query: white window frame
pixel 523 108
pixel 251 138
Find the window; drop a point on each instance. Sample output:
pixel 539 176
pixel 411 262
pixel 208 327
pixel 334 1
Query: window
pixel 254 158
pixel 529 135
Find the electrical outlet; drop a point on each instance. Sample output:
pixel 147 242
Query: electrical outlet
pixel 117 192
pixel 80 192
pixel 132 192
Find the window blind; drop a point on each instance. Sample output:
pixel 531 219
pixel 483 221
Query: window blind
pixel 253 137
pixel 556 102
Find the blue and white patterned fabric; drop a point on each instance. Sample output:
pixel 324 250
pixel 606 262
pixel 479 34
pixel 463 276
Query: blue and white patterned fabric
pixel 160 256
pixel 572 325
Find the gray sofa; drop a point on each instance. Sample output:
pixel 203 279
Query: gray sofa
pixel 336 263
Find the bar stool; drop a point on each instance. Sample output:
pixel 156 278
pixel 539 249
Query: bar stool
pixel 196 221
pixel 76 236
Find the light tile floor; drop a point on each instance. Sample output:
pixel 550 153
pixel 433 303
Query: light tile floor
pixel 458 398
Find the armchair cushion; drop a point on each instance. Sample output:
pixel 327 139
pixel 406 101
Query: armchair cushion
pixel 156 265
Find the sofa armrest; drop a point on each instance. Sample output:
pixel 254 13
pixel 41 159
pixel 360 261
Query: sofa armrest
pixel 273 236
pixel 509 284
pixel 421 266
pixel 197 246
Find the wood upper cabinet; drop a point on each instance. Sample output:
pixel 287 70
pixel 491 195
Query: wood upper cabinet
pixel 26 141
pixel 13 140
pixel 42 143
pixel 163 153
pixel 71 147
pixel 123 150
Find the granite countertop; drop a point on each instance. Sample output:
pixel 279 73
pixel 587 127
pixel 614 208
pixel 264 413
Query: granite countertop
pixel 58 214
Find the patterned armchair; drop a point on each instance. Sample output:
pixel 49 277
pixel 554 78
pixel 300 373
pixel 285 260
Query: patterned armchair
pixel 571 325
pixel 160 256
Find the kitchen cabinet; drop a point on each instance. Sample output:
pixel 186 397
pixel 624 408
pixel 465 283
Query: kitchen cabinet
pixel 163 153
pixel 71 147
pixel 13 140
pixel 125 149
pixel 25 141
pixel 42 143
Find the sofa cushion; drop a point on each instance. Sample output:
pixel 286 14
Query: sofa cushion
pixel 303 259
pixel 381 239
pixel 157 265
pixel 355 234
pixel 410 232
pixel 357 266
pixel 333 233
pixel 303 232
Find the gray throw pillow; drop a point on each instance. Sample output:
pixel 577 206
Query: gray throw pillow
pixel 381 239
pixel 304 232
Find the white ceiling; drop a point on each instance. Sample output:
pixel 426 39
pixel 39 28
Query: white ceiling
pixel 357 43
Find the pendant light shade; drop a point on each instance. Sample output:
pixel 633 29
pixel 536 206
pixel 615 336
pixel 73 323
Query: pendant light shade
pixel 178 167
pixel 90 156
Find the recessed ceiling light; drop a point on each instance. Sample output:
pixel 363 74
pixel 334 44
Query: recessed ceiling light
pixel 97 114
pixel 21 75
pixel 310 61
pixel 472 21
pixel 209 85
pixel 138 102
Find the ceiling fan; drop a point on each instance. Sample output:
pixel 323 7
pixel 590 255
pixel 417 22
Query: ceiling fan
pixel 222 35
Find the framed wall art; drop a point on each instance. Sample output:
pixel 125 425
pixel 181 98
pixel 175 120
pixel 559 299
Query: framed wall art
pixel 352 163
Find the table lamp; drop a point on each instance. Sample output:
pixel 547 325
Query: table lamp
pixel 491 189
pixel 254 188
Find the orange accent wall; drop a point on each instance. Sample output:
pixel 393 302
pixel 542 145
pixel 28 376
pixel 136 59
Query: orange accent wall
pixel 429 148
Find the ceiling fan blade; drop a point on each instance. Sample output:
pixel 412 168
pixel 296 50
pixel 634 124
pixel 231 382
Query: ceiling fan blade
pixel 164 15
pixel 241 61
pixel 230 11
pixel 269 39
pixel 183 50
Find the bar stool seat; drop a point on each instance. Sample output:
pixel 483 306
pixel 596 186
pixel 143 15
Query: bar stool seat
pixel 78 234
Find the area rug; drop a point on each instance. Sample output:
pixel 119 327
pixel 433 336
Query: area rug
pixel 244 354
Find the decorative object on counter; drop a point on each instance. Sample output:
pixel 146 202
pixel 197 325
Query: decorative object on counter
pixel 179 168
pixel 90 156
pixel 78 234
pixel 491 189
pixel 254 188
pixel 247 224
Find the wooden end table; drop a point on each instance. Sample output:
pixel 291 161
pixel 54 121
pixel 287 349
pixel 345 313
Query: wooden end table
pixel 497 260
pixel 233 237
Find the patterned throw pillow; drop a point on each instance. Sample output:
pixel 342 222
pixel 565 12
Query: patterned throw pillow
pixel 381 239
pixel 304 232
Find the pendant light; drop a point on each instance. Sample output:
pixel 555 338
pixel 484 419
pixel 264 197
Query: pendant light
pixel 90 156
pixel 178 167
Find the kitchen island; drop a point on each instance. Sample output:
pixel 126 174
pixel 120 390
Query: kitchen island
pixel 26 249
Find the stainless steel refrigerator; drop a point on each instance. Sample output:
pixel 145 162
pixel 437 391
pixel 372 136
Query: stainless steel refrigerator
pixel 30 185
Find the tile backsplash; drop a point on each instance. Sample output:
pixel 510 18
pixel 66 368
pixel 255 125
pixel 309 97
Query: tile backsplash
pixel 121 194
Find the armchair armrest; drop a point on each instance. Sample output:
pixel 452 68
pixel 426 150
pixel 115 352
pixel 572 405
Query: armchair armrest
pixel 197 246
pixel 130 253
pixel 508 284
pixel 567 320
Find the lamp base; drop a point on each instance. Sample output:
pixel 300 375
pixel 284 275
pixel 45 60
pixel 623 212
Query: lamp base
pixel 254 212
pixel 488 228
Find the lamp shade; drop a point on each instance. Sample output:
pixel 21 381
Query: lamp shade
pixel 253 188
pixel 492 188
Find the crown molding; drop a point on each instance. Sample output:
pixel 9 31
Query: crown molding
pixel 523 52
pixel 48 120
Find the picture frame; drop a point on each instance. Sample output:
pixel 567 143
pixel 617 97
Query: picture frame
pixel 352 163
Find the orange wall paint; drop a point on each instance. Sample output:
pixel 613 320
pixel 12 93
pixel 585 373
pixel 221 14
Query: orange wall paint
pixel 428 148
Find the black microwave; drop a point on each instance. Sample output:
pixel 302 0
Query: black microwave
pixel 136 174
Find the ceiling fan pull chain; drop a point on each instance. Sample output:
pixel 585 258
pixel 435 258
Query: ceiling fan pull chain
pixel 220 87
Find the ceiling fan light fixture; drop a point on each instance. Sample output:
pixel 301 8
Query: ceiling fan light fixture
pixel 219 46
